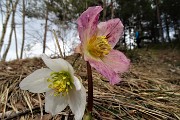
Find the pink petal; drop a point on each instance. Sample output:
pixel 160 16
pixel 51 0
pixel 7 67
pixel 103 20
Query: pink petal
pixel 87 22
pixel 105 70
pixel 117 60
pixel 113 29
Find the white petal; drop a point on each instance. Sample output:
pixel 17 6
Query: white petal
pixel 37 81
pixel 77 102
pixel 54 104
pixel 57 64
pixel 77 83
pixel 70 68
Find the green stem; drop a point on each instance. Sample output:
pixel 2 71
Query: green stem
pixel 90 89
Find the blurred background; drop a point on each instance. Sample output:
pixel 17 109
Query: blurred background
pixel 26 26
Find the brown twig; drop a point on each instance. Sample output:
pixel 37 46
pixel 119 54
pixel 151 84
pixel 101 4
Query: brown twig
pixel 37 109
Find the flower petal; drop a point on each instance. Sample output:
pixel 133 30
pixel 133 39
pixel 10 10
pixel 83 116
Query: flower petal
pixel 112 29
pixel 117 60
pixel 77 83
pixel 105 70
pixel 87 22
pixel 77 102
pixel 57 64
pixel 55 104
pixel 37 81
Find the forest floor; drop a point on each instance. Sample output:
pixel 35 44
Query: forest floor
pixel 150 90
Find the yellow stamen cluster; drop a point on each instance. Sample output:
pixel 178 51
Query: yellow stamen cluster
pixel 60 82
pixel 98 46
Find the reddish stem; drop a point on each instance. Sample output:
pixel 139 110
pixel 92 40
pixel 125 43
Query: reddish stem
pixel 90 88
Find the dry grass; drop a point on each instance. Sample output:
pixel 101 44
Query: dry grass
pixel 149 91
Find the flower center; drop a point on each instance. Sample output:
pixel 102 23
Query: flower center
pixel 60 82
pixel 98 46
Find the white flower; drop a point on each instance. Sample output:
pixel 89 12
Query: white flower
pixel 61 86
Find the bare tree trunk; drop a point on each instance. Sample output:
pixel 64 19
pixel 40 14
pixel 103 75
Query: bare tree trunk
pixel 16 44
pixel 45 30
pixel 14 6
pixel 167 28
pixel 104 10
pixel 159 21
pixel 57 42
pixel 63 42
pixel 112 9
pixel 8 13
pixel 23 29
pixel 64 51
pixel 1 9
pixel 177 30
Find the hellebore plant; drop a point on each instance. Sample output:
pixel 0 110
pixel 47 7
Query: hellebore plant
pixel 97 43
pixel 61 86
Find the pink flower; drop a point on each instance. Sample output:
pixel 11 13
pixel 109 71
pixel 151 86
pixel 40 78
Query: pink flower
pixel 98 41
